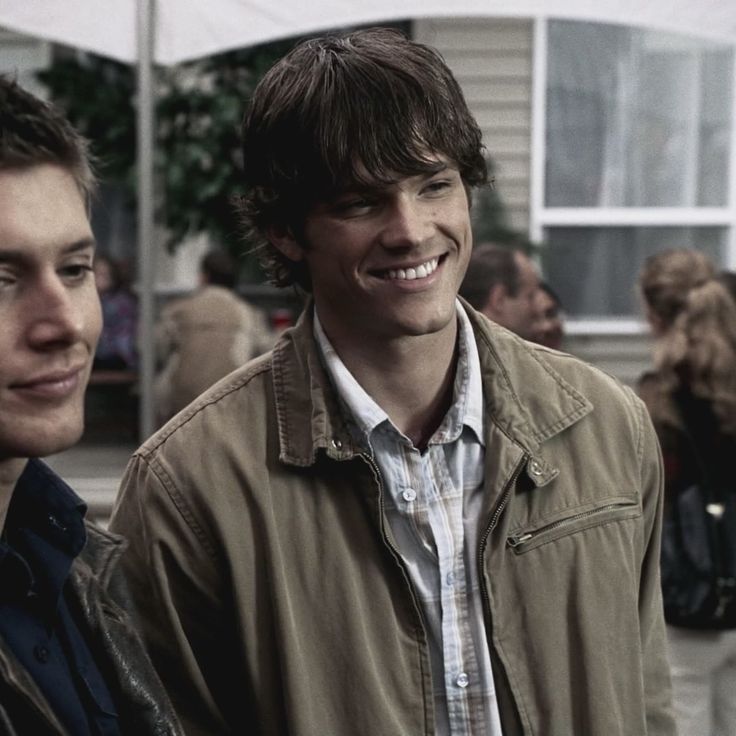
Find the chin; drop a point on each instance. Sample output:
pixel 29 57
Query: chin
pixel 41 441
pixel 430 325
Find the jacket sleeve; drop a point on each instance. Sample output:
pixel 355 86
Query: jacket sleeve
pixel 175 595
pixel 660 721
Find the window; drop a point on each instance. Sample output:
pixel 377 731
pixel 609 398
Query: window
pixel 637 156
pixel 596 268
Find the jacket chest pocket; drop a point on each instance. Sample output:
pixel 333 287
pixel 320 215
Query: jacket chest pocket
pixel 613 510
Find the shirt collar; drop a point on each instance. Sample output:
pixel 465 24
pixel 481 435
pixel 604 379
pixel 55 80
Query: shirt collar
pixel 45 526
pixel 467 405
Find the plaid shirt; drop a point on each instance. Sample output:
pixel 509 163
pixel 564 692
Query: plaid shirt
pixel 433 504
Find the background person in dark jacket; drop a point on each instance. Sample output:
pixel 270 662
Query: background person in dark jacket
pixel 691 396
pixel 70 663
pixel 117 349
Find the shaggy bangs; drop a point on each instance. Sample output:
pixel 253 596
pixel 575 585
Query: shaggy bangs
pixel 379 117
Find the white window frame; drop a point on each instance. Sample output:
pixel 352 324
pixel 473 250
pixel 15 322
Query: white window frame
pixel 541 217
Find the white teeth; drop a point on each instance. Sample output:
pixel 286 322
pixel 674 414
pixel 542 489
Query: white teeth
pixel 411 274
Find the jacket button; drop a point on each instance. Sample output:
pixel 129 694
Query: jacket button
pixel 337 444
pixel 536 467
pixel 41 653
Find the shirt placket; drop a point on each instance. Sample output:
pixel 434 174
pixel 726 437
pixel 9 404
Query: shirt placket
pixel 462 677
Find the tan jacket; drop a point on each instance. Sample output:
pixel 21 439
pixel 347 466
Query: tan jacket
pixel 200 339
pixel 274 600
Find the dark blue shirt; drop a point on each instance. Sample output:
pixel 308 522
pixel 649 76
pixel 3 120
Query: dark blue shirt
pixel 39 619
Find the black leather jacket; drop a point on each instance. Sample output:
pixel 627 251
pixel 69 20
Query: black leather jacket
pixel 143 707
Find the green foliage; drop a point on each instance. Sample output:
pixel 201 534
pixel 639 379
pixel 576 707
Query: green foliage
pixel 199 108
pixel 97 95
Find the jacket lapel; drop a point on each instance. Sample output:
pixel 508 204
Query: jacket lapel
pixel 526 399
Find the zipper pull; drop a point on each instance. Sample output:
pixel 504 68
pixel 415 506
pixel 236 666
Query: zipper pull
pixel 517 539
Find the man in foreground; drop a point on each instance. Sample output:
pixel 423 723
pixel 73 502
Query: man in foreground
pixel 503 284
pixel 70 661
pixel 402 520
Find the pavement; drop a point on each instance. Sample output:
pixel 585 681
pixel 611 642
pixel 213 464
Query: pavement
pixel 94 471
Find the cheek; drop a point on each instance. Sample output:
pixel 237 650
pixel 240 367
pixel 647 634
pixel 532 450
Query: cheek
pixel 93 326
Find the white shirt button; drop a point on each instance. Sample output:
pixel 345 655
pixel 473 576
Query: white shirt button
pixel 450 579
pixel 462 680
pixel 409 495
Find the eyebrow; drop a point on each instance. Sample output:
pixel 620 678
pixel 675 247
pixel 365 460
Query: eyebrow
pixel 20 255
pixel 84 244
pixel 377 186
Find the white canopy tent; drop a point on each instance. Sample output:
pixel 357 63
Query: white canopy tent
pixel 167 32
pixel 190 29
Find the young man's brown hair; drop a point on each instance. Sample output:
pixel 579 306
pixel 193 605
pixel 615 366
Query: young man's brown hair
pixel 321 122
pixel 35 132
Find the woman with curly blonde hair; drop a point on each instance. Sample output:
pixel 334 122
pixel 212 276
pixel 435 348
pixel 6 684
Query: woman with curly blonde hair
pixel 691 396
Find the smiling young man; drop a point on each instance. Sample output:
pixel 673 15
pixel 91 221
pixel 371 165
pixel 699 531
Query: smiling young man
pixel 402 520
pixel 69 661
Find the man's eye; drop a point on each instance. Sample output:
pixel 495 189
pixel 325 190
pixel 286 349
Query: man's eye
pixel 354 206
pixel 438 186
pixel 76 271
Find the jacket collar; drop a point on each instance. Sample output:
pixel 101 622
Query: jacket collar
pixel 524 395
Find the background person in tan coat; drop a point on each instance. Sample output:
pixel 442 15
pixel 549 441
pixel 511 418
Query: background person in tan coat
pixel 203 337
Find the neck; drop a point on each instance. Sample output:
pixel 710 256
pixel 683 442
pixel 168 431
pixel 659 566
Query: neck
pixel 410 378
pixel 10 471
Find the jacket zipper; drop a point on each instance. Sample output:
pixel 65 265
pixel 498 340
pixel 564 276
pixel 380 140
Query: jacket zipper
pixel 505 496
pixel 516 540
pixel 492 525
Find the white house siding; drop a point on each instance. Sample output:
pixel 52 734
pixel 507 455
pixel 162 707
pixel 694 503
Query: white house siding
pixel 623 356
pixel 492 60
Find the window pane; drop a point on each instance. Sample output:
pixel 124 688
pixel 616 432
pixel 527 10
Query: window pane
pixel 636 118
pixel 594 270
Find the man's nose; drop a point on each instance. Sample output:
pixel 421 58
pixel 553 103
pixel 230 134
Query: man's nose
pixel 55 315
pixel 407 224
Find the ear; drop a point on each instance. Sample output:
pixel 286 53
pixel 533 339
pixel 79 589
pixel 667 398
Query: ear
pixel 282 238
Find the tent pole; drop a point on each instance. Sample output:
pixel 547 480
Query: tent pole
pixel 146 236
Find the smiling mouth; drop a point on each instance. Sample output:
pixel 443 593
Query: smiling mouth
pixel 412 274
pixel 54 385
